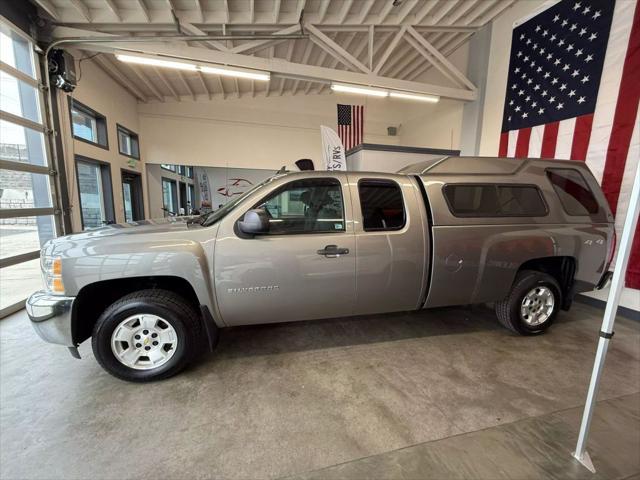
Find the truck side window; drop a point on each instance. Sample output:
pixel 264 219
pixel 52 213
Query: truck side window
pixel 381 204
pixel 306 206
pixel 574 193
pixel 494 200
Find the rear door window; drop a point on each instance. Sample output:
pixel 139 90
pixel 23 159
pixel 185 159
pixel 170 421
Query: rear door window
pixel 494 200
pixel 575 195
pixel 381 204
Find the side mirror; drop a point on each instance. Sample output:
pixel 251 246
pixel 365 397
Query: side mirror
pixel 255 222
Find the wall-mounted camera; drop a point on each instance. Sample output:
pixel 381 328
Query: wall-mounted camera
pixel 62 70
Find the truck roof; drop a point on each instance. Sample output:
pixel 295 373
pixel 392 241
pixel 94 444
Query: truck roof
pixel 479 165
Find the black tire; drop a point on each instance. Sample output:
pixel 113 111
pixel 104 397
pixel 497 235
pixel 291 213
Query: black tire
pixel 173 309
pixel 508 310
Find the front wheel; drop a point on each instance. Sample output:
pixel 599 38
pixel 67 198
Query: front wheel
pixel 147 335
pixel 532 304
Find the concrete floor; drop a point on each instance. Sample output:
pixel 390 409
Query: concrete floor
pixel 381 397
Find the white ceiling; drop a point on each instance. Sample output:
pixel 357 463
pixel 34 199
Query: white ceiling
pixel 445 24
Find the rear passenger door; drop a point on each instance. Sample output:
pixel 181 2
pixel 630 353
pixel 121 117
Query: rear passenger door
pixel 391 243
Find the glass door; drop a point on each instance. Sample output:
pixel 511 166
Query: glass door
pixel 132 196
pixel 27 201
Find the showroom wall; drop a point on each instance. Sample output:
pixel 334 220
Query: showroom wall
pixel 98 91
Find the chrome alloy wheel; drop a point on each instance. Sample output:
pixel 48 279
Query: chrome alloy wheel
pixel 537 306
pixel 144 341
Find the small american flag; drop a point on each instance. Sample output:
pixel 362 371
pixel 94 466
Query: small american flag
pixel 350 125
pixel 572 93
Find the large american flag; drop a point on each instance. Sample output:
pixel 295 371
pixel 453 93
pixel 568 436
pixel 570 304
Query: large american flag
pixel 350 125
pixel 573 91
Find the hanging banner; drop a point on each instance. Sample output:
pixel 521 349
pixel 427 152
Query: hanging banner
pixel 332 150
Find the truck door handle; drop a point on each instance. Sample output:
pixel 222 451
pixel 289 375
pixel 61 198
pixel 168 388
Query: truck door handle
pixel 332 251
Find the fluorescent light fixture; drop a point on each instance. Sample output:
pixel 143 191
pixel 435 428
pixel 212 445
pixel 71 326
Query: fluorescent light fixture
pixel 157 62
pixel 414 96
pixel 376 92
pixel 237 72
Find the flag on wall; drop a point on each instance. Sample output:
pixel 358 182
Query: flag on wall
pixel 573 93
pixel 350 125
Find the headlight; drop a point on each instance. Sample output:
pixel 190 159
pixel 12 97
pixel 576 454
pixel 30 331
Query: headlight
pixel 52 274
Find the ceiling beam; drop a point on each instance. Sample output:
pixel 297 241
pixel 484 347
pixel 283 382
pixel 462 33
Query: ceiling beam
pixel 237 85
pixel 322 11
pixel 364 12
pixel 344 11
pixel 281 67
pixel 225 3
pixel 49 8
pixel 461 77
pixel 289 56
pixel 267 91
pixel 114 72
pixel 424 11
pixel 253 44
pixel 82 8
pixel 425 54
pixel 336 48
pixel 166 83
pixel 276 11
pixel 446 8
pixel 384 13
pixel 371 35
pixel 143 77
pixel 252 11
pixel 456 42
pixel 144 9
pixel 186 84
pixel 406 10
pixel 204 85
pixel 392 45
pixel 114 9
pixel 191 29
pixel 305 59
pixel 200 10
pixel 299 7
pixel 334 61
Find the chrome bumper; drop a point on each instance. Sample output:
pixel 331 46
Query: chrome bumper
pixel 51 317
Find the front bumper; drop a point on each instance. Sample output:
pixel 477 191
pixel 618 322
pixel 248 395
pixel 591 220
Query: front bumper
pixel 51 317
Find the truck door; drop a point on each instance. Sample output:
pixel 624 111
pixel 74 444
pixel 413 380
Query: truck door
pixel 303 268
pixel 392 243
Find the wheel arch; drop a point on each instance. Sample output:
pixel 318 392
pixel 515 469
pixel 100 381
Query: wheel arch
pixel 95 297
pixel 562 268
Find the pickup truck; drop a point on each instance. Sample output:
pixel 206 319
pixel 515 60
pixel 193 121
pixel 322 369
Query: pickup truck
pixel 526 235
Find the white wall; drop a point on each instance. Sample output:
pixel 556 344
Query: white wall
pixel 497 73
pixel 98 91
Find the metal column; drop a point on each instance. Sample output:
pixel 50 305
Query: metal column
pixel 606 331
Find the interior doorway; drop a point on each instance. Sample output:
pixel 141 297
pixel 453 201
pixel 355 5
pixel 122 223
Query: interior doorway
pixel 132 196
pixel 182 194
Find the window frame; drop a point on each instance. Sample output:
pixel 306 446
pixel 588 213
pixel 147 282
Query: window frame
pixel 169 167
pixel 140 206
pixel 109 206
pixel 174 196
pixel 75 104
pixel 132 135
pixel 404 205
pixel 496 186
pixel 283 188
pixel 564 208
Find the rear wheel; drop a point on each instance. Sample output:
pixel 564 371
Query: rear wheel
pixel 532 304
pixel 147 335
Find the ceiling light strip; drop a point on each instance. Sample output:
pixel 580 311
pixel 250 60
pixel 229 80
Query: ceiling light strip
pixel 381 92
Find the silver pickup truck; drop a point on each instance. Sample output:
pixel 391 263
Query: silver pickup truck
pixel 526 235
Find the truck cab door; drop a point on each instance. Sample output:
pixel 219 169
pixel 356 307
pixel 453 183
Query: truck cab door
pixel 302 268
pixel 392 242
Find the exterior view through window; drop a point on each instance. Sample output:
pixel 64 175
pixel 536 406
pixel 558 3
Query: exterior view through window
pixel 88 125
pixel 128 143
pixel 574 193
pixel 306 206
pixel 381 204
pixel 169 197
pixel 26 186
pixel 494 200
pixel 94 197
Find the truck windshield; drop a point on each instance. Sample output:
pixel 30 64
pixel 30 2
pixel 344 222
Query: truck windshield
pixel 212 217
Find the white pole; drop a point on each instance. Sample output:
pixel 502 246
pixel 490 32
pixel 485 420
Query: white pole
pixel 606 331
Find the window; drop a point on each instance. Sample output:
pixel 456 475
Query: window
pixel 495 200
pixel 306 206
pixel 128 142
pixel 88 125
pixel 191 199
pixel 169 197
pixel 171 168
pixel 29 215
pixel 189 172
pixel 381 204
pixel 96 195
pixel 574 193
